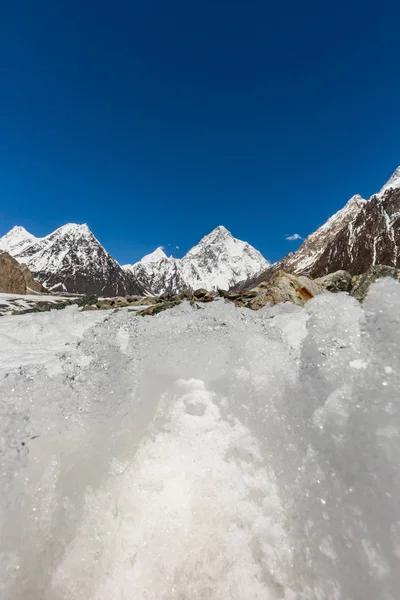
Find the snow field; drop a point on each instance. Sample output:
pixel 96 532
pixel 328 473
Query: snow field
pixel 211 453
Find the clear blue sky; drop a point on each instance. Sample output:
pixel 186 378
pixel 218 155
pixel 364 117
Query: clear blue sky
pixel 156 120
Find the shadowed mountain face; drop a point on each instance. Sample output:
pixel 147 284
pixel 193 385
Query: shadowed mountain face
pixel 364 233
pixel 70 259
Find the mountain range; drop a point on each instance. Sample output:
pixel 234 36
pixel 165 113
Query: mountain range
pixel 71 259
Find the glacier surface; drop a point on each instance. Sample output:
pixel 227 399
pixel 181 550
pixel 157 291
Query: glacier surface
pixel 202 453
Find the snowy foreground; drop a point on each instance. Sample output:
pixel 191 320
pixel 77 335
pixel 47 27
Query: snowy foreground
pixel 211 453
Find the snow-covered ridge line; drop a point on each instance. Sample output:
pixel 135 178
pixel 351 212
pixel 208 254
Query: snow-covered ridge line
pixel 70 259
pixel 218 261
pixel 66 257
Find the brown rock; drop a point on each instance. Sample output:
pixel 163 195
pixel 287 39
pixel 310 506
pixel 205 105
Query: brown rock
pixel 16 278
pixel 90 307
pixel 156 308
pixel 200 293
pixel 286 287
pixel 282 287
pixel 31 284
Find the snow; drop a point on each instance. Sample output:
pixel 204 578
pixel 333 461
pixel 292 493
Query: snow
pixel 69 247
pixel 220 261
pixel 316 242
pixel 155 256
pixel 393 182
pixel 16 240
pixel 203 453
pixel 14 302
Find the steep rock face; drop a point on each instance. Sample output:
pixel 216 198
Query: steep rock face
pixel 158 273
pixel 220 261
pixel 16 278
pixel 364 233
pixel 372 237
pixel 71 259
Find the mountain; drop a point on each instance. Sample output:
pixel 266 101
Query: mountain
pixel 158 273
pixel 362 234
pixel 16 240
pixel 70 259
pixel 392 183
pixel 73 260
pixel 218 261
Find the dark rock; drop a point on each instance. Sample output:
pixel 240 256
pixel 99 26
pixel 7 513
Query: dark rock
pixel 340 281
pixel 200 293
pixel 363 233
pixel 157 308
pixel 87 299
pixel 362 283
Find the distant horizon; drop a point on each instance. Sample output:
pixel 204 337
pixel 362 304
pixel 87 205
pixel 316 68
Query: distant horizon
pixel 154 122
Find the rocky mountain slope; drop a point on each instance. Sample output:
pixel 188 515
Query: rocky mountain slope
pixel 362 234
pixel 218 261
pixel 70 259
pixel 158 273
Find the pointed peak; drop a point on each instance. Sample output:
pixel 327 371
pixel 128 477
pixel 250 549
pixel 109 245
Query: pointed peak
pixel 155 256
pixel 73 228
pixel 356 199
pixel 19 231
pixel 393 182
pixel 221 229
pixel 218 232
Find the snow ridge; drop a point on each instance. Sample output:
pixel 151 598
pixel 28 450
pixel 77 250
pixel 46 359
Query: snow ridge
pixel 218 261
pixel 69 259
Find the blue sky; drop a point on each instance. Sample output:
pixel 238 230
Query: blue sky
pixel 156 121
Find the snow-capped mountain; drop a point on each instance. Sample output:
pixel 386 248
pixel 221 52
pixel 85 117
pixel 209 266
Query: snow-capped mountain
pixel 392 183
pixel 16 240
pixel 158 273
pixel 70 259
pixel 362 234
pixel 218 261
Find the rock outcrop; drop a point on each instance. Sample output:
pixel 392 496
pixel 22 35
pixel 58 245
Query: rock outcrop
pixel 362 283
pixel 340 281
pixel 16 278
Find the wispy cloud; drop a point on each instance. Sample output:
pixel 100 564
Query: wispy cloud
pixel 295 236
pixel 177 247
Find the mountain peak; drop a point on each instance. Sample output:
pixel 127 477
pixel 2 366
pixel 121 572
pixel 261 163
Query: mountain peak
pixel 393 182
pixel 73 228
pixel 155 256
pixel 17 239
pixel 19 232
pixel 220 231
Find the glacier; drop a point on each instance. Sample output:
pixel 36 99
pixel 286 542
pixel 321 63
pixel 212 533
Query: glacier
pixel 203 453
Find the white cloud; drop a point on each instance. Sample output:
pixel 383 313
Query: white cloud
pixel 177 247
pixel 295 236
